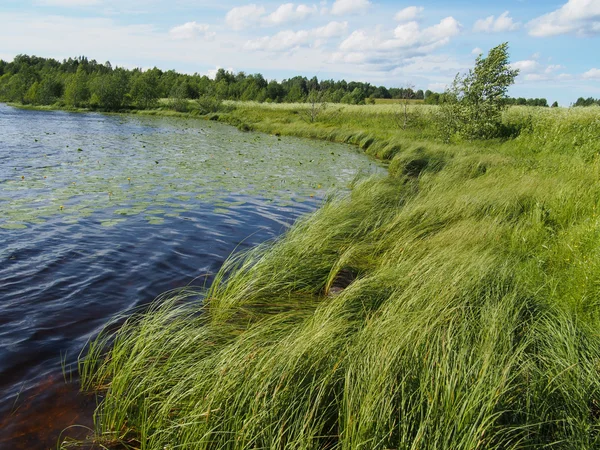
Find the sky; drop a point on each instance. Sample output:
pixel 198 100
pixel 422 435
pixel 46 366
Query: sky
pixel 423 44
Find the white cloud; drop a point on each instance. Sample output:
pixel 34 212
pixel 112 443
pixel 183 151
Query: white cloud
pixel 533 70
pixel 581 17
pixel 408 40
pixel 476 51
pixel 212 73
pixel 405 36
pixel 332 29
pixel 288 39
pixel 192 30
pixel 526 66
pixel 592 74
pixel 409 14
pixel 349 6
pixel 442 32
pixel 244 16
pixel 492 24
pixel 553 68
pixel 247 16
pixel 288 12
pixel 284 40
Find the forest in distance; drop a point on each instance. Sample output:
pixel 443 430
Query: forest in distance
pixel 83 83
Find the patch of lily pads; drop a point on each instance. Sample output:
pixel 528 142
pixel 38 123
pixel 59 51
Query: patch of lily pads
pixel 117 168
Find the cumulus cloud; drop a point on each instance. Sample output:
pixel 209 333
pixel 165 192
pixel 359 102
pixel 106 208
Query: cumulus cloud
pixel 581 17
pixel 244 16
pixel 406 41
pixel 288 39
pixel 592 74
pixel 192 30
pixel 332 29
pixel 526 66
pixel 408 14
pixel 533 70
pixel 247 16
pixel 493 24
pixel 476 51
pixel 349 6
pixel 288 12
pixel 284 40
pixel 405 36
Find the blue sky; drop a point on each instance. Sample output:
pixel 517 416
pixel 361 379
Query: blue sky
pixel 394 43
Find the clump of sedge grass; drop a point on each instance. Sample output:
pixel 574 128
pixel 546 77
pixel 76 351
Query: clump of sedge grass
pixel 452 305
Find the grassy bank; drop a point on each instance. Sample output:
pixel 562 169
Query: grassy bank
pixel 386 132
pixel 452 305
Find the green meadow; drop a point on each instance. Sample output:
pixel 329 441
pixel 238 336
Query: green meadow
pixel 453 304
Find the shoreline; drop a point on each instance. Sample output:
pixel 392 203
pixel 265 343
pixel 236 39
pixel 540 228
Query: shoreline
pixel 458 294
pixel 382 147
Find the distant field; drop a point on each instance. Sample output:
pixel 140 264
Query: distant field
pixel 393 101
pixel 378 101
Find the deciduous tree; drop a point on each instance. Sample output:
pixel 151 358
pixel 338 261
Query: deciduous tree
pixel 475 101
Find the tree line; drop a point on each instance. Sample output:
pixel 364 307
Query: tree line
pixel 83 83
pixel 80 82
pixel 434 98
pixel 587 101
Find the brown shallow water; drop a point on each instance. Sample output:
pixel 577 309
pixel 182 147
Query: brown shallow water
pixel 45 413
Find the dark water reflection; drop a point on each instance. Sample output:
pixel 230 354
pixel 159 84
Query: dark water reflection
pixel 62 277
pixel 60 284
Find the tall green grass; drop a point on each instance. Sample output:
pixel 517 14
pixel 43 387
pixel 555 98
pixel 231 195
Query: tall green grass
pixel 380 131
pixel 451 305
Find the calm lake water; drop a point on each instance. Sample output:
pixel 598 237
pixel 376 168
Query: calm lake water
pixel 102 213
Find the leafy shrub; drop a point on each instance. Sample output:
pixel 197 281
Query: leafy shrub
pixel 207 104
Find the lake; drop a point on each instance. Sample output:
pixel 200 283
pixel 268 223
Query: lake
pixel 100 214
